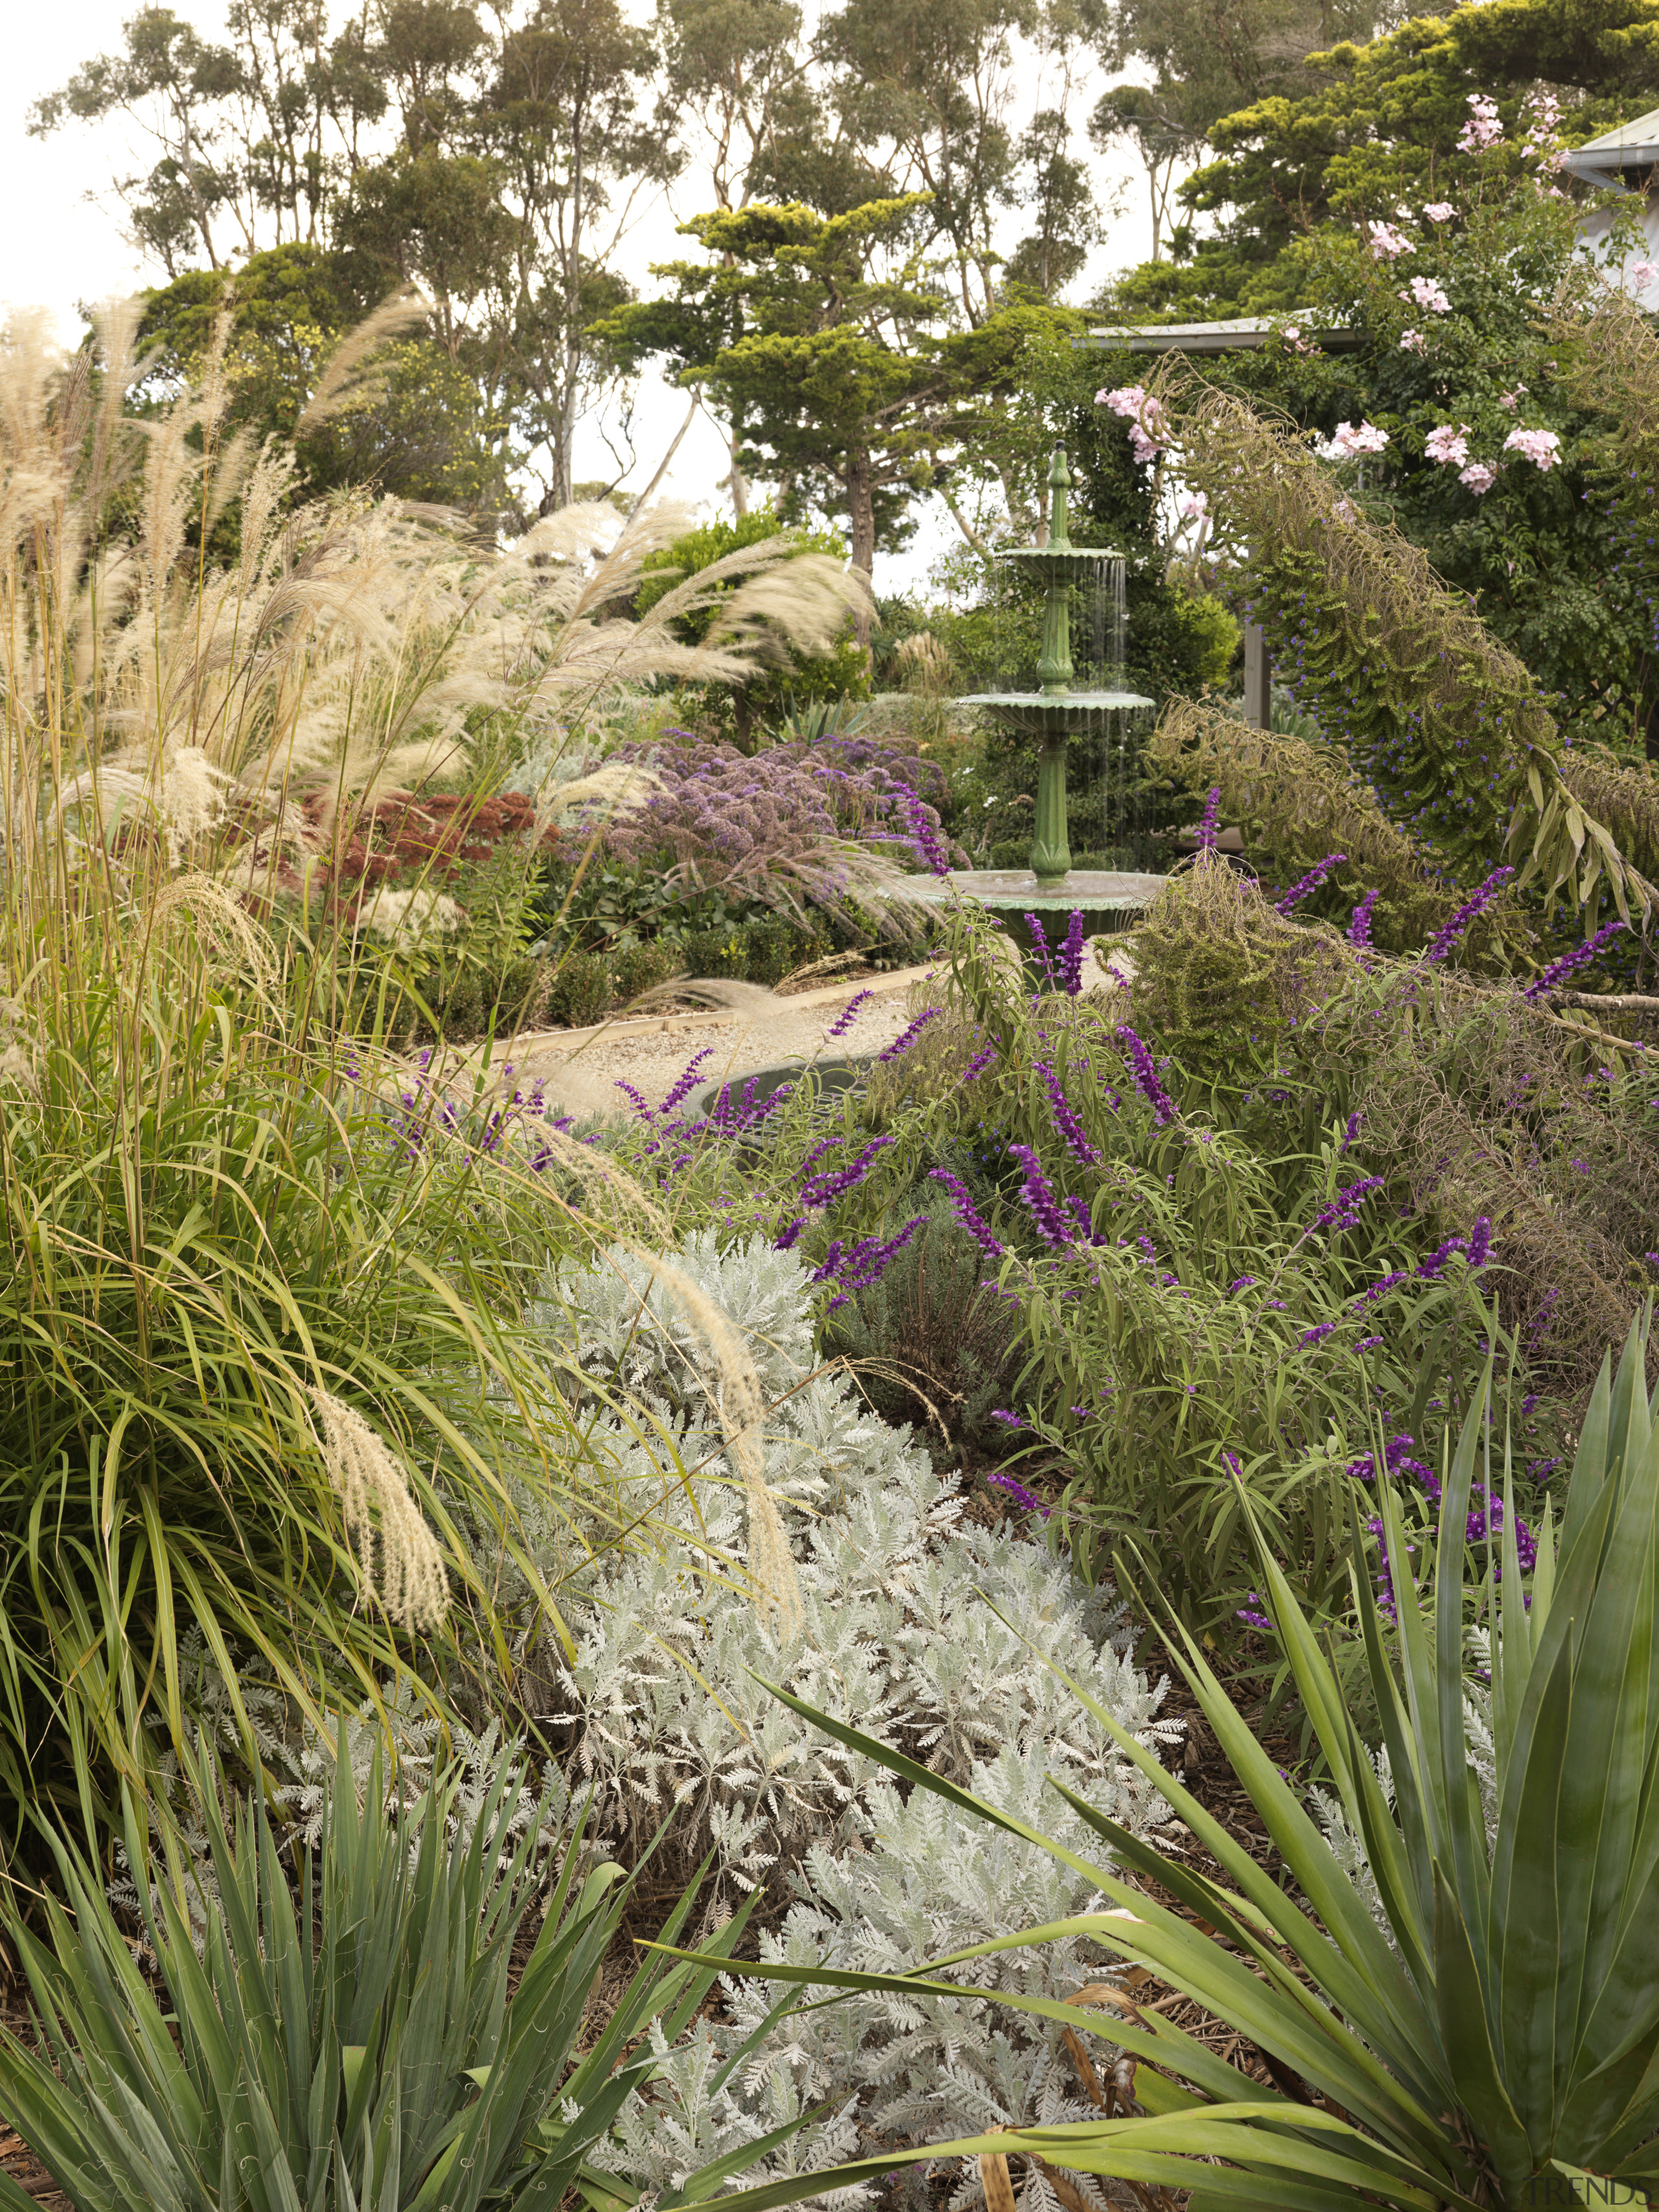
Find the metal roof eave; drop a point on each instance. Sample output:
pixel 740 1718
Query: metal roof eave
pixel 1242 335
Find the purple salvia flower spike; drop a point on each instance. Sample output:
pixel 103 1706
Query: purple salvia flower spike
pixel 1071 956
pixel 906 1038
pixel 1146 1075
pixel 1309 883
pixel 1447 938
pixel 1559 970
pixel 848 1014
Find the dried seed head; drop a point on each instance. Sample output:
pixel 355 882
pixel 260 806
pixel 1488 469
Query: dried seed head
pixel 413 1587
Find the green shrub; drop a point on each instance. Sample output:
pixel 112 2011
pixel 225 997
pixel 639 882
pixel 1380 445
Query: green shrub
pixel 582 990
pixel 636 969
pixel 932 1347
pixel 717 951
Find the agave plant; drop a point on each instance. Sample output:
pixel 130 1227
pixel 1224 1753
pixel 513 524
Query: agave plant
pixel 1490 2040
pixel 360 2051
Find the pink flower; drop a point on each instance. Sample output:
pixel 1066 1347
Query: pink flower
pixel 1642 273
pixel 1439 211
pixel 1147 422
pixel 1427 294
pixel 1483 128
pixel 1480 476
pixel 1347 440
pixel 1193 508
pixel 1541 447
pixel 1412 342
pixel 1388 242
pixel 1512 400
pixel 1345 510
pixel 1450 448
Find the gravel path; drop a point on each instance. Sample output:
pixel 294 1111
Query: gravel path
pixel 581 1067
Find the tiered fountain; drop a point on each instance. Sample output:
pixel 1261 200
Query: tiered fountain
pixel 1051 887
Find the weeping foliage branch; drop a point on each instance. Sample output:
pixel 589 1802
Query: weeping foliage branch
pixel 1299 801
pixel 1442 722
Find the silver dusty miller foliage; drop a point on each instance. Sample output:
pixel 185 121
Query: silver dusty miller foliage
pixel 915 1628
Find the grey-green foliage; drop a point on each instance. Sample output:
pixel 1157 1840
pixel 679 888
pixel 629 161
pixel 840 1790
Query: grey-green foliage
pixel 930 1632
pixel 924 1881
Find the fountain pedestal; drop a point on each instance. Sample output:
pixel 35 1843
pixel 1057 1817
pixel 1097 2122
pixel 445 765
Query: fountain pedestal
pixel 1051 887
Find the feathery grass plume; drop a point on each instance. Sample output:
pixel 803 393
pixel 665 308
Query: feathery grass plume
pixel 735 1389
pixel 348 647
pixel 350 373
pixel 1301 800
pixel 227 937
pixel 409 918
pixel 374 1493
pixel 1431 702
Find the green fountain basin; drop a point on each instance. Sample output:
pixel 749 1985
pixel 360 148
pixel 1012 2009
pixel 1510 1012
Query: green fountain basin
pixel 1046 714
pixel 1058 564
pixel 1108 902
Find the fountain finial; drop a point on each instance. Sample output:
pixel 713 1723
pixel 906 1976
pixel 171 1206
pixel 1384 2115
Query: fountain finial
pixel 1060 482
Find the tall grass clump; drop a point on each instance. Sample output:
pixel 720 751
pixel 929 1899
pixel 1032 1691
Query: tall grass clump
pixel 261 1371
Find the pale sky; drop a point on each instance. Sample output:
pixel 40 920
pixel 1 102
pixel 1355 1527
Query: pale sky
pixel 60 248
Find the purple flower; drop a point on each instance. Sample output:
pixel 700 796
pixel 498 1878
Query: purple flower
pixel 1071 956
pixel 906 1038
pixel 1359 928
pixel 1146 1075
pixel 1066 1120
pixel 785 1242
pixel 1018 1491
pixel 1240 1283
pixel 1040 946
pixel 966 1213
pixel 1318 1333
pixel 1309 883
pixel 1480 1241
pixel 981 1061
pixel 824 1189
pixel 1351 1132
pixel 1207 829
pixel 1079 1213
pixel 1344 1209
pixel 848 1014
pixel 686 1083
pixel 925 840
pixel 1447 938
pixel 1559 970
pixel 865 1262
pixel 1038 1199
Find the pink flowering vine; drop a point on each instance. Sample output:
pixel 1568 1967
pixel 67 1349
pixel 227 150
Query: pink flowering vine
pixel 1450 448
pixel 1541 447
